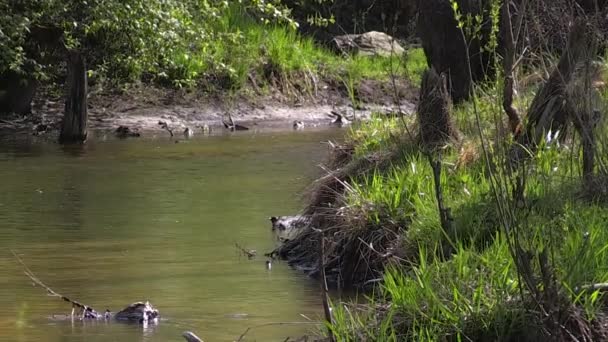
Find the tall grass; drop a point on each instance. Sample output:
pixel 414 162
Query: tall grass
pixel 463 284
pixel 242 47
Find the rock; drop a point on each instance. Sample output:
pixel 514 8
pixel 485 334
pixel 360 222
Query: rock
pixel 368 44
pixel 125 131
pixel 282 223
pixel 138 312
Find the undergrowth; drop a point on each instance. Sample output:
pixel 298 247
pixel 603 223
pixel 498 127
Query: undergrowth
pixel 463 284
pixel 242 50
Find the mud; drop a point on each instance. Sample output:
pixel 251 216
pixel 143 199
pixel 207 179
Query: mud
pixel 141 109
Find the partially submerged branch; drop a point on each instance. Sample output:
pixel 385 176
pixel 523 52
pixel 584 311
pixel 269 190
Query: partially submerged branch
pixel 87 311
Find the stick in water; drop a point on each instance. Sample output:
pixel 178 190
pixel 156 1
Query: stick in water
pixel 87 311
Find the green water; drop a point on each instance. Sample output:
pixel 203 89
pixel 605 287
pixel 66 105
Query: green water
pixel 120 221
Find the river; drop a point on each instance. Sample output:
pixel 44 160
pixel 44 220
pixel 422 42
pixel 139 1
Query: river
pixel 118 221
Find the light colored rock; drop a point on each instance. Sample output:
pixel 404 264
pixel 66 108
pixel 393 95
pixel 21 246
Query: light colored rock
pixel 368 44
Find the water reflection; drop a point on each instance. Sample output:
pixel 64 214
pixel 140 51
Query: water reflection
pixel 110 223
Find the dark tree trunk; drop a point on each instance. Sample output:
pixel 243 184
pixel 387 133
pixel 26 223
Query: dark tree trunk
pixel 445 48
pixel 74 126
pixel 16 93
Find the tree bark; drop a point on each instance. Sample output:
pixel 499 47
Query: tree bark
pixel 445 48
pixel 434 112
pixel 74 126
pixel 547 111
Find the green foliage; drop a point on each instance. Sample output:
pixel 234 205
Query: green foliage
pixel 463 284
pixel 124 38
pixel 176 43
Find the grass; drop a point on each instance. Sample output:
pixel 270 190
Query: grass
pixel 471 289
pixel 462 284
pixel 242 48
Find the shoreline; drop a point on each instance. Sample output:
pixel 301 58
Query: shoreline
pixel 140 109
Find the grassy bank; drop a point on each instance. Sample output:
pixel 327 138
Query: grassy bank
pixel 218 47
pixel 509 267
pixel 276 56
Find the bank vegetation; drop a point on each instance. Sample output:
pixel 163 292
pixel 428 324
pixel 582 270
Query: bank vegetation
pixel 482 218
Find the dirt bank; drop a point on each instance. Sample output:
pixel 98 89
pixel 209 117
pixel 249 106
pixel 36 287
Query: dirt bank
pixel 141 108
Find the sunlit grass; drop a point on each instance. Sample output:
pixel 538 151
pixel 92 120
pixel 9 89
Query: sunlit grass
pixel 462 284
pixel 259 49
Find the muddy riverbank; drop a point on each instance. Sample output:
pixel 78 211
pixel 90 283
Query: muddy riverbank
pixel 141 108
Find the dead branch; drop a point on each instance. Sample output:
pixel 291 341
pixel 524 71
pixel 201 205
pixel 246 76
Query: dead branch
pixel 85 308
pixel 509 67
pixel 250 253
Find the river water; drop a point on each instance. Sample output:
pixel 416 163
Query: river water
pixel 119 221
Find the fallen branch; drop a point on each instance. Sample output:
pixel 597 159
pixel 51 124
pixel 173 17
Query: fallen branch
pixel 250 253
pixel 87 311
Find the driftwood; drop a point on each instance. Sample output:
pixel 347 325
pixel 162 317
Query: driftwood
pixel 74 125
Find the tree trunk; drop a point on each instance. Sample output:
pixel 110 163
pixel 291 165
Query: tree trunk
pixel 445 49
pixel 74 126
pixel 434 112
pixel 547 111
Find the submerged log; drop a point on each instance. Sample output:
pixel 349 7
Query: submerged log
pixel 74 125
